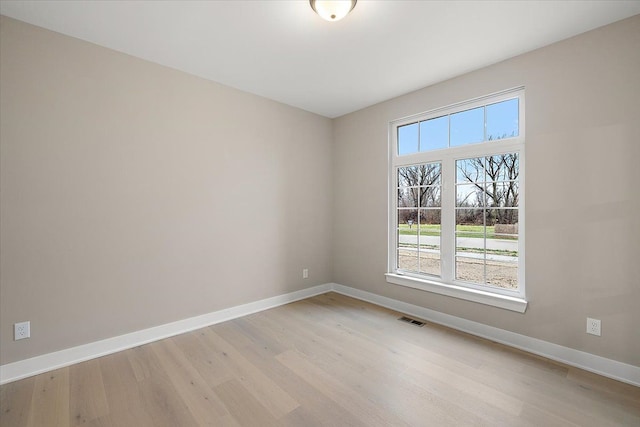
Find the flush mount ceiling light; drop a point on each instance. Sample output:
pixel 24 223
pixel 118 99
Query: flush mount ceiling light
pixel 332 10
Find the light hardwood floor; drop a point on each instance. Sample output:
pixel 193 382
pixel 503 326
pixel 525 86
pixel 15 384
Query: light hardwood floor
pixel 328 360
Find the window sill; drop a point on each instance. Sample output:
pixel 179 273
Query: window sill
pixel 482 297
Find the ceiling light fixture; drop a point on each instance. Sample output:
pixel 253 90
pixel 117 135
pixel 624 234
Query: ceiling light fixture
pixel 332 10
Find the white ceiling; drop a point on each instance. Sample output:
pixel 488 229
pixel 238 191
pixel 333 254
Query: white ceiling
pixel 282 50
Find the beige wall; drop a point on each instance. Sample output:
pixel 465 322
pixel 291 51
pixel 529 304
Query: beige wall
pixel 133 195
pixel 582 196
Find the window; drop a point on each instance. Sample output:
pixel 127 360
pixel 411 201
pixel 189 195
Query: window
pixel 456 215
pixel 418 218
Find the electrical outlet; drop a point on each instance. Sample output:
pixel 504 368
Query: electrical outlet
pixel 21 330
pixel 593 326
pixel 305 273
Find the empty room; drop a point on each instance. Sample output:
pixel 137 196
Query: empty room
pixel 319 213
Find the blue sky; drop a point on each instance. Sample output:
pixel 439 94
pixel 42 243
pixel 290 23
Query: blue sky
pixel 464 127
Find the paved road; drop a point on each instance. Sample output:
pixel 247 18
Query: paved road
pixel 465 242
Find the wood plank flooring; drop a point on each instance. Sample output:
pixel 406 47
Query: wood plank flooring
pixel 326 361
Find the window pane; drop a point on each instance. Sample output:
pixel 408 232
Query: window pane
pixel 470 195
pixel 407 259
pixel 502 247
pixel 470 170
pixel 425 174
pixel 503 238
pixel 432 173
pixel 502 272
pixel 408 239
pixel 408 228
pixel 494 168
pixel 501 216
pixel 512 165
pixel 470 233
pixel 408 197
pixel 501 173
pixel 430 197
pixel 467 219
pixel 406 176
pixel 408 139
pixel 470 245
pixel 430 241
pixel 503 227
pixel 470 269
pixel 434 134
pixel 502 167
pixel 467 127
pixel 407 218
pixel 430 222
pixel 503 194
pixel 502 120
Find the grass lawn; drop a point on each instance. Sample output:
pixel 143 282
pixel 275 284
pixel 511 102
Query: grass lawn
pixel 434 230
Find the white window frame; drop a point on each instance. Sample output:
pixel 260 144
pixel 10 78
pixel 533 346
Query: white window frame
pixel 446 284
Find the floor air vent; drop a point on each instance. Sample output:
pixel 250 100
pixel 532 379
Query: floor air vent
pixel 412 321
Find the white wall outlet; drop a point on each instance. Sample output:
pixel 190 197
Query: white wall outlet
pixel 593 326
pixel 305 273
pixel 21 330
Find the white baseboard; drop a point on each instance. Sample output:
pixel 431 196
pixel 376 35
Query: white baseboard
pixel 59 359
pixel 609 368
pixel 589 362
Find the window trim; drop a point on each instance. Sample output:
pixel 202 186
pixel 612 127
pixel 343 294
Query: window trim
pixel 514 300
pixel 456 291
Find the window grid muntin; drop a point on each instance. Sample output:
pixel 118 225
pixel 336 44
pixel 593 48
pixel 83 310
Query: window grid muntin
pixel 487 174
pixel 435 183
pixel 486 148
pixel 472 106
